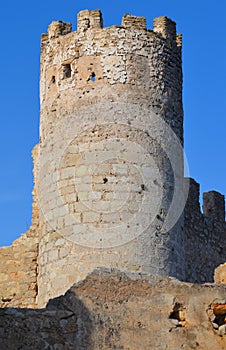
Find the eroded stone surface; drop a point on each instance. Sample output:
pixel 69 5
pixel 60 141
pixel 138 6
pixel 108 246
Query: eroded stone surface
pixel 104 76
pixel 105 178
pixel 205 244
pixel 217 316
pixel 220 274
pixel 114 310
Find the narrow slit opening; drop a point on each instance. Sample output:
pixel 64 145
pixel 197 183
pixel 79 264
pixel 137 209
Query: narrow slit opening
pixel 93 77
pixel 67 71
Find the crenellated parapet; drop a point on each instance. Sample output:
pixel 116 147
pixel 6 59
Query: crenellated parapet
pixel 93 20
pixel 166 27
pixel 89 20
pixel 94 58
pixel 214 206
pixel 134 22
pixel 205 245
pixel 58 28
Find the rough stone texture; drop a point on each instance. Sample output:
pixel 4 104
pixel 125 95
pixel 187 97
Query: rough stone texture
pixel 217 316
pixel 105 157
pixel 102 84
pixel 18 272
pixel 220 274
pixel 98 89
pixel 113 310
pixel 205 244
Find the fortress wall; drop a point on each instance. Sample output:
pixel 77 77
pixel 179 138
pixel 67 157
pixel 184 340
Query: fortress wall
pixel 99 85
pixel 18 272
pixel 205 243
pixel 113 310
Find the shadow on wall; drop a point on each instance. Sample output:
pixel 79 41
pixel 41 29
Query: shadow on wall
pixel 65 324
pixel 205 244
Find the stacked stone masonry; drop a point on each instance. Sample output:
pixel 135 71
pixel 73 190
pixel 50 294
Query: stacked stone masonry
pixel 114 310
pixel 18 272
pixel 205 233
pixel 98 88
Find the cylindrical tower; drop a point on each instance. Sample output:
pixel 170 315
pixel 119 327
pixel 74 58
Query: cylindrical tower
pixel 110 163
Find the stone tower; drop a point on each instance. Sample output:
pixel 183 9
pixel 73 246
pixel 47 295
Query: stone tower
pixel 109 166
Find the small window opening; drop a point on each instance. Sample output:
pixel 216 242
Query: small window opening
pixel 178 315
pixel 87 22
pixel 105 180
pixel 53 80
pixel 67 70
pixel 93 77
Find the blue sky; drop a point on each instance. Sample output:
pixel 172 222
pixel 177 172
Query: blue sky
pixel 203 25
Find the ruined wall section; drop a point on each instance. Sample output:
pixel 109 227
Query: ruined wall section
pixel 205 245
pixel 98 88
pixel 114 310
pixel 18 264
pixel 18 272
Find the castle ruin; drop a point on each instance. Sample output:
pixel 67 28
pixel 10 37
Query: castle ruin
pixel 109 186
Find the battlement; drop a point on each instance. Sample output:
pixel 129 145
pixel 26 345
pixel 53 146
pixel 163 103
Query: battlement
pixel 193 195
pixel 93 20
pixel 214 206
pixel 166 27
pixel 204 233
pixel 89 19
pixel 93 58
pixel 213 202
pixel 58 28
pixel 129 21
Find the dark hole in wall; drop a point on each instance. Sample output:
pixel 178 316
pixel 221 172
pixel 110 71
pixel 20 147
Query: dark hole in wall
pixel 66 70
pixel 93 77
pixel 87 22
pixel 217 316
pixel 178 314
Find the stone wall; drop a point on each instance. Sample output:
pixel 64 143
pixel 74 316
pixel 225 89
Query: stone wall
pixel 113 310
pixel 18 272
pixel 102 152
pixel 144 63
pixel 205 244
pixel 111 99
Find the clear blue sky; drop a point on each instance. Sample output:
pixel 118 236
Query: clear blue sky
pixel 203 25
